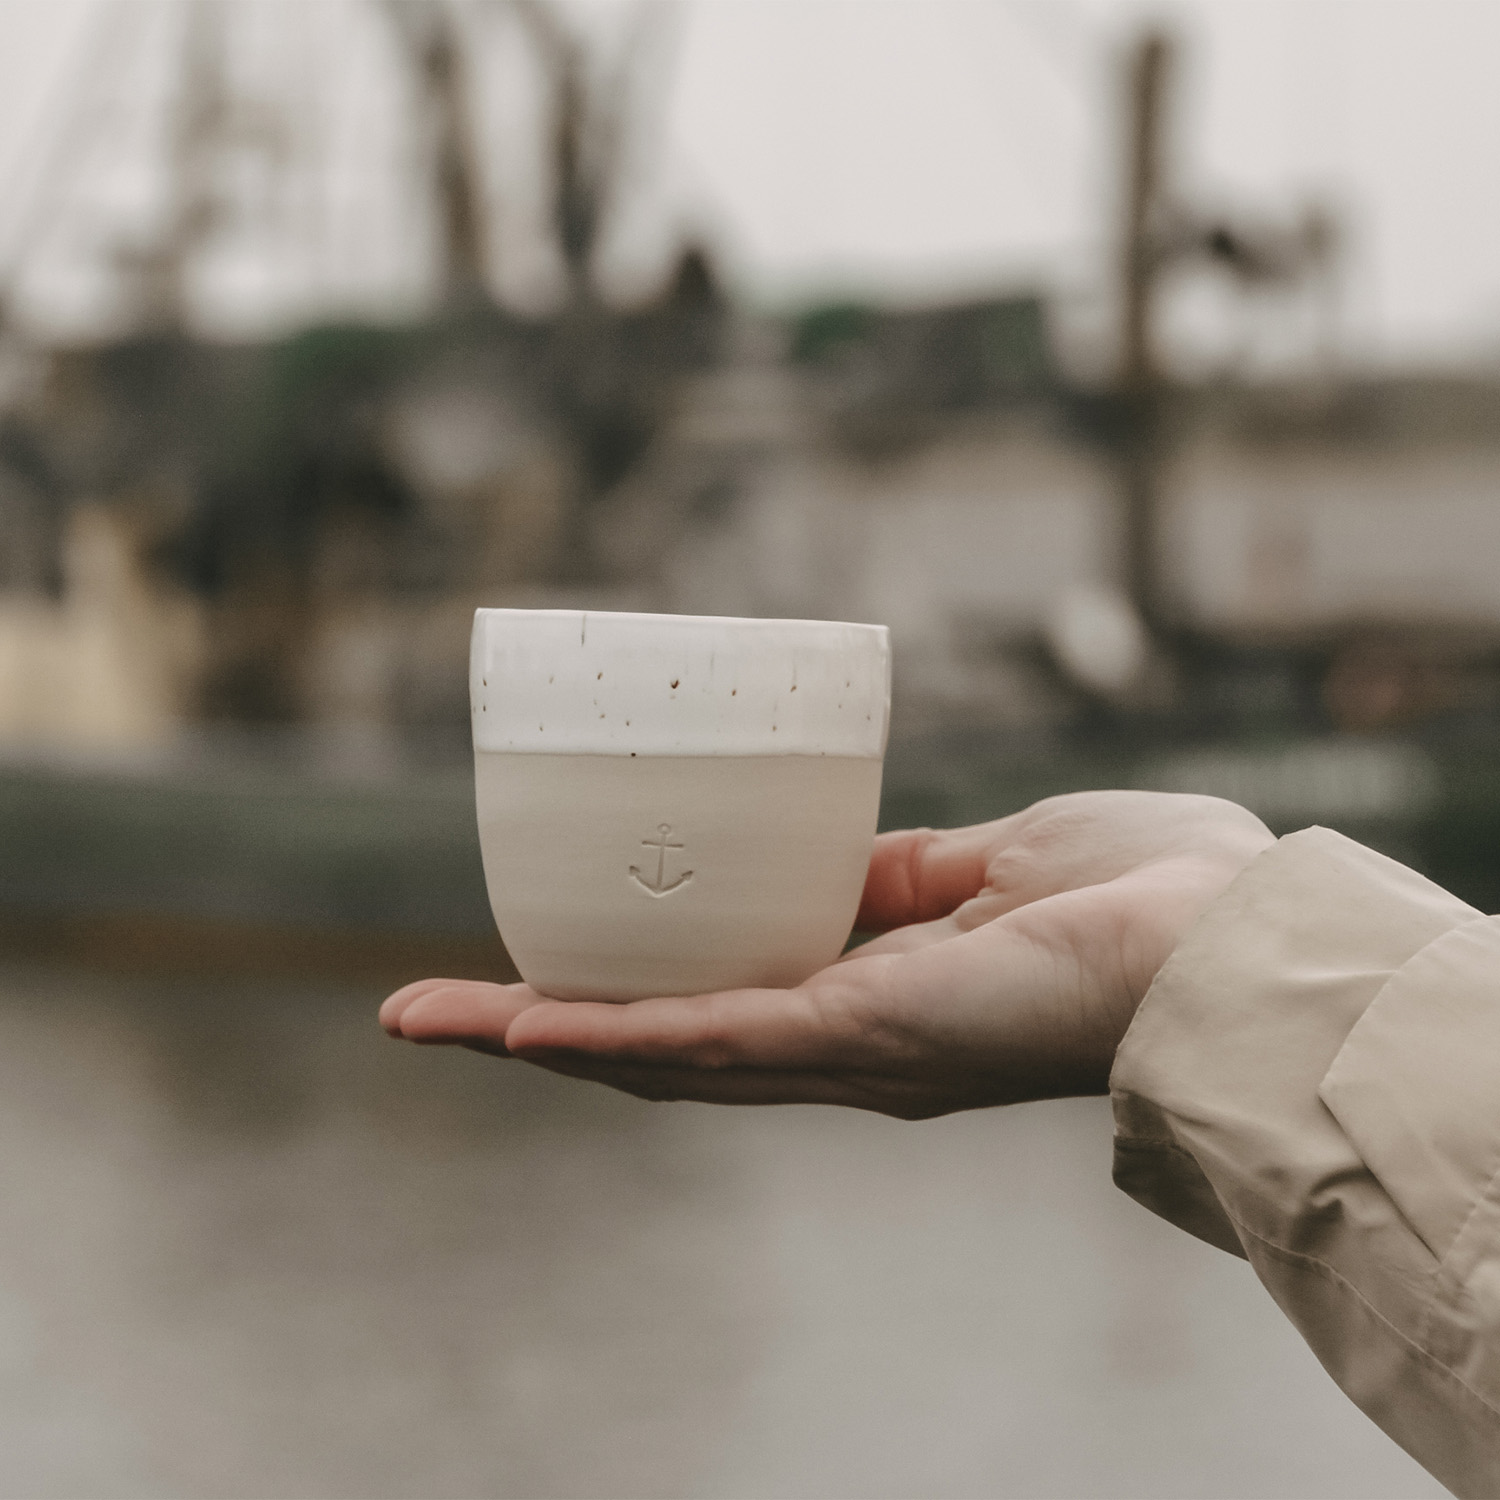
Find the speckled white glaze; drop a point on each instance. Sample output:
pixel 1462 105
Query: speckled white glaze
pixel 570 682
pixel 673 804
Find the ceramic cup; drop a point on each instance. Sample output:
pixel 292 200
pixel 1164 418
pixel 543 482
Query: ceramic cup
pixel 670 804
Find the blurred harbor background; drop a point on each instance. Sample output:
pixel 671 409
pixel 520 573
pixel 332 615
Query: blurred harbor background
pixel 1140 369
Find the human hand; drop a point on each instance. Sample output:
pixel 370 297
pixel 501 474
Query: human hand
pixel 1014 955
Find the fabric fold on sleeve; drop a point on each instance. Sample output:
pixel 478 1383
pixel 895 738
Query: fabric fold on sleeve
pixel 1414 1085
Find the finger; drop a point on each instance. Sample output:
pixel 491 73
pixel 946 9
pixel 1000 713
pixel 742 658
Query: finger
pixel 394 1006
pixel 921 874
pixel 461 1011
pixel 815 1025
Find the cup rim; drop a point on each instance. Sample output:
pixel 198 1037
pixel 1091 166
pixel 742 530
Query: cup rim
pixel 542 682
pixel 660 618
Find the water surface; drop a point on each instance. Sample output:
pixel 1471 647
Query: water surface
pixel 249 1246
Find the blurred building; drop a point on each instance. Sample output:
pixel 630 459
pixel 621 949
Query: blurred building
pixel 296 529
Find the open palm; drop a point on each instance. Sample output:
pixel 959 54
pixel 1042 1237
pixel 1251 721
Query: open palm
pixel 1013 956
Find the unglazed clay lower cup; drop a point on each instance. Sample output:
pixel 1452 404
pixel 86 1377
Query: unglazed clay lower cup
pixel 670 804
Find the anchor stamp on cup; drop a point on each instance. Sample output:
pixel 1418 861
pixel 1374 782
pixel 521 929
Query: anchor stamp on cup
pixel 661 886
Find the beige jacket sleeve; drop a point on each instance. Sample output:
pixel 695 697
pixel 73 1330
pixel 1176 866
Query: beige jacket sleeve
pixel 1313 1082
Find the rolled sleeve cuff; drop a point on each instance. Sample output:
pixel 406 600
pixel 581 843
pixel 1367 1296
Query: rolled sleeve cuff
pixel 1215 1086
pixel 1313 1082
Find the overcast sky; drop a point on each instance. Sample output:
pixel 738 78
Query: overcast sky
pixel 926 147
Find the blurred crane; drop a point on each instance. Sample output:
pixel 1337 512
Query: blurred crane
pixel 250 466
pixel 437 50
pixel 1163 232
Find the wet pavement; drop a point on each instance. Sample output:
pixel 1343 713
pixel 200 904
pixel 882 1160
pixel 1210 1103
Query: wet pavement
pixel 250 1247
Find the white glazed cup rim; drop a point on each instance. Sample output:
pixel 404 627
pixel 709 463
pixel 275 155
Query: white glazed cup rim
pixel 565 681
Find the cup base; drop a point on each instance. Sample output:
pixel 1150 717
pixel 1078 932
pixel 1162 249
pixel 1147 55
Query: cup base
pixel 619 877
